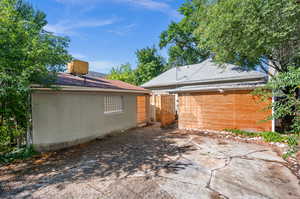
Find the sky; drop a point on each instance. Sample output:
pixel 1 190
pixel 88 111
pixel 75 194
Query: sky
pixel 107 33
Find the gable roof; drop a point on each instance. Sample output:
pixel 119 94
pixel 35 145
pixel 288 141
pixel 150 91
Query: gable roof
pixel 204 72
pixel 86 82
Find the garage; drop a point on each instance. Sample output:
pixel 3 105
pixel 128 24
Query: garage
pixel 237 109
pixel 215 97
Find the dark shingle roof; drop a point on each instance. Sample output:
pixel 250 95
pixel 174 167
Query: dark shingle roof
pixel 204 72
pixel 65 79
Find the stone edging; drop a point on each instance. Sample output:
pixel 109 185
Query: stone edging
pixel 282 148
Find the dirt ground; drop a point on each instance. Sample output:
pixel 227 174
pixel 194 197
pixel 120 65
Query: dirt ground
pixel 153 163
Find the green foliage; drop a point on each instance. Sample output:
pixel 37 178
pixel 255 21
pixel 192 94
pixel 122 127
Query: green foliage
pixel 4 138
pixel 180 39
pixel 291 140
pixel 17 154
pixel 285 86
pixel 253 33
pixel 273 137
pixel 123 73
pixel 28 54
pixel 249 32
pixel 149 65
pixel 243 133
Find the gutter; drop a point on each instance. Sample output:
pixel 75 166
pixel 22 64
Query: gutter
pixel 87 89
pixel 206 81
pixel 220 89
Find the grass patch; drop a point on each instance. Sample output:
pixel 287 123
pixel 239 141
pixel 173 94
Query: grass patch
pixel 17 154
pixel 243 133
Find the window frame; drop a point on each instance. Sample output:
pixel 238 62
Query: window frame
pixel 113 104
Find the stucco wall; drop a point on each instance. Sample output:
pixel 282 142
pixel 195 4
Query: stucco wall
pixel 219 111
pixel 62 119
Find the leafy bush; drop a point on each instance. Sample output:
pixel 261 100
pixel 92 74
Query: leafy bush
pixel 28 55
pixel 10 138
pixel 273 137
pixel 292 140
pixel 17 154
pixel 4 139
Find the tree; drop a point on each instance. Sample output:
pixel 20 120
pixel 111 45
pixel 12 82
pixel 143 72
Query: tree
pixel 289 102
pixel 28 54
pixel 180 38
pixel 123 73
pixel 149 65
pixel 251 32
pixel 254 32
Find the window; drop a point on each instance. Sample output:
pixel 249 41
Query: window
pixel 113 104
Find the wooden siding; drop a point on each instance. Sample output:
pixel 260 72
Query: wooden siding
pixel 142 109
pixel 167 110
pixel 218 111
pixel 163 109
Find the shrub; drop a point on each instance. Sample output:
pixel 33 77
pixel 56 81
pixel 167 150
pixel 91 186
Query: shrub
pixel 273 137
pixel 17 154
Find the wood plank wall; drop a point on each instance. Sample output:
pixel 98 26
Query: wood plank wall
pixel 143 109
pixel 218 111
pixel 167 113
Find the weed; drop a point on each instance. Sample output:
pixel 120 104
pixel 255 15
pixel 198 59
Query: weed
pixel 243 133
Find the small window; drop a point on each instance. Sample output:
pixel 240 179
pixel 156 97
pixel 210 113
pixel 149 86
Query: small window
pixel 113 104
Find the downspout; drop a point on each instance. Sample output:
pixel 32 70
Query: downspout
pixel 29 139
pixel 273 111
pixel 272 72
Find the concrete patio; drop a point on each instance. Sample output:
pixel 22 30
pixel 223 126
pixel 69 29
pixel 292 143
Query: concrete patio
pixel 154 163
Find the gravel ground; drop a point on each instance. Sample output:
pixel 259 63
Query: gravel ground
pixel 154 163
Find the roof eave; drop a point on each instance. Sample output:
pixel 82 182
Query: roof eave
pixel 206 81
pixel 87 89
pixel 225 88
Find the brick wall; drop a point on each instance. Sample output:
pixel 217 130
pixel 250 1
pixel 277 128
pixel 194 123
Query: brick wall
pixel 218 111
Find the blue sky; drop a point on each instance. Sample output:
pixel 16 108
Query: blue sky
pixel 107 33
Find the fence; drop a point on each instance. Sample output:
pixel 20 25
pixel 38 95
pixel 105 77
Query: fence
pixel 142 110
pixel 163 109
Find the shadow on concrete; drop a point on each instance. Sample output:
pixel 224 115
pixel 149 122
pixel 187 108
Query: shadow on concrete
pixel 146 150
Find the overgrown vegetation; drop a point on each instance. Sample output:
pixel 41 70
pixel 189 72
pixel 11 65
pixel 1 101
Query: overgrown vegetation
pixel 28 54
pixel 251 33
pixel 180 40
pixel 21 153
pixel 285 87
pixel 290 139
pixel 149 65
pixel 123 73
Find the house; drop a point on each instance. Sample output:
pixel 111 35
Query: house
pixel 84 108
pixel 214 97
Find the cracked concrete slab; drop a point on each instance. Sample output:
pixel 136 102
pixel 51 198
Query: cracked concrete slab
pixel 154 163
pixel 243 178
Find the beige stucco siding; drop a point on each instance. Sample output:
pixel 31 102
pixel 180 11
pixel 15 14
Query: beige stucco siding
pixel 62 119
